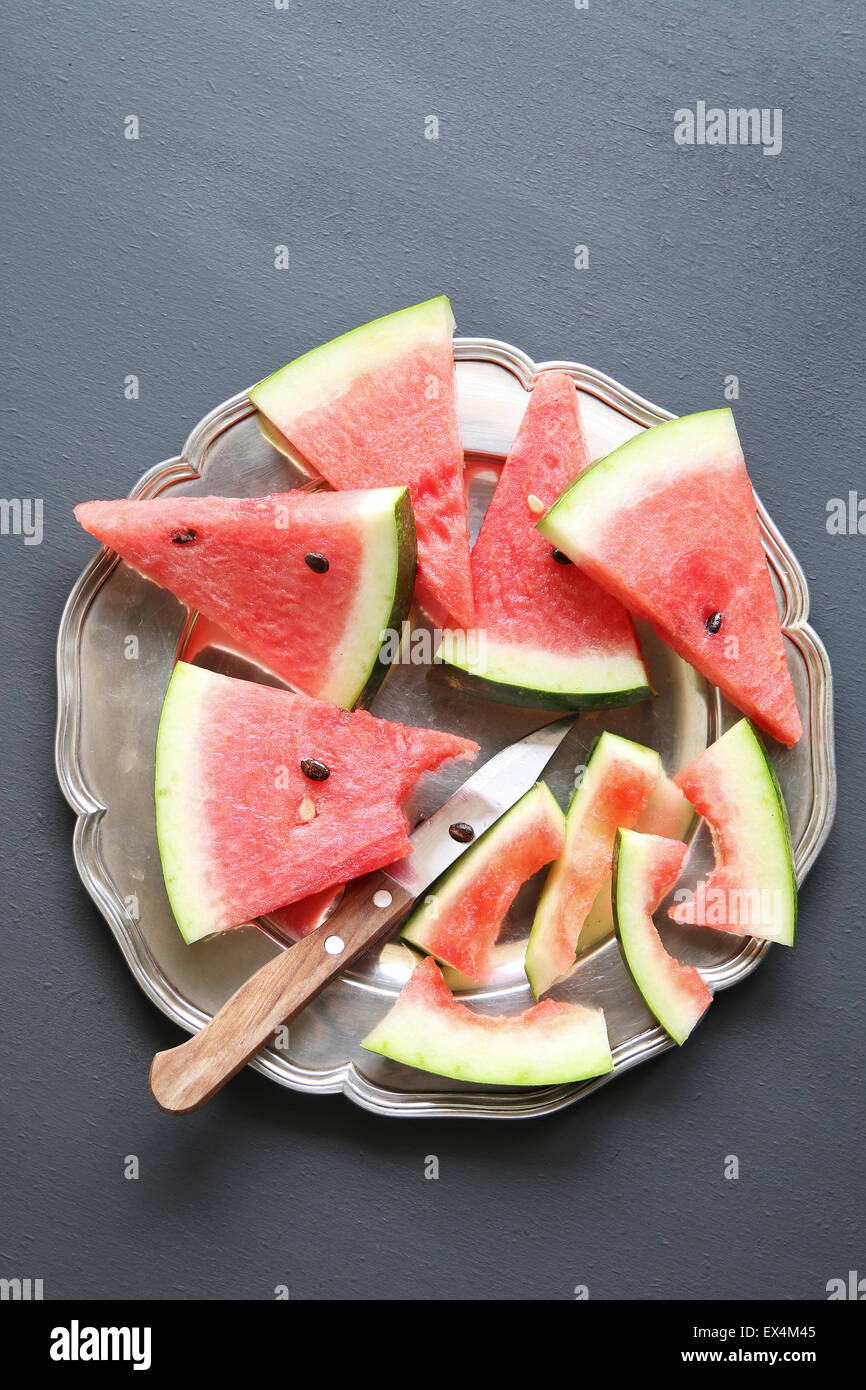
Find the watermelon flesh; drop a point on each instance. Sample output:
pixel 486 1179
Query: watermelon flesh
pixel 242 830
pixel 646 867
pixel 545 632
pixel 547 1044
pixel 299 919
pixel 242 563
pixel 378 407
pixel 668 524
pixel 460 918
pixel 753 888
pixel 615 788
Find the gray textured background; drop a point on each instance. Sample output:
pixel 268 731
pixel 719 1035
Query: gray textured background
pixel 305 127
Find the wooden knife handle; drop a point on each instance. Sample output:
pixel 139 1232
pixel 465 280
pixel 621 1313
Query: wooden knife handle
pixel 185 1077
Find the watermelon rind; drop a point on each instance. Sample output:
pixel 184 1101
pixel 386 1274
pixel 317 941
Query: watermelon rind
pixel 528 676
pixel 182 850
pixel 675 994
pixel 546 1046
pixel 541 967
pixel 444 896
pixel 740 780
pixel 667 813
pixel 384 599
pixel 316 378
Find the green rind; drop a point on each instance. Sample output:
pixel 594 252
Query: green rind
pixel 176 827
pixel 421 1038
pixel 401 601
pixel 790 937
pixel 529 689
pixel 539 972
pixel 447 889
pixel 628 918
pixel 780 832
pixel 792 872
pixel 324 373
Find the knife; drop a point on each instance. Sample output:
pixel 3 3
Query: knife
pixel 185 1077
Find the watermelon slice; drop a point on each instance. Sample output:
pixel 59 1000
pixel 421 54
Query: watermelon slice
pixel 460 918
pixel 753 889
pixel 615 788
pixel 547 1044
pixel 243 828
pixel 667 813
pixel 668 523
pixel 376 408
pixel 308 583
pixel 645 868
pixel 546 634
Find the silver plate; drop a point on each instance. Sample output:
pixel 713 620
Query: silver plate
pixel 120 635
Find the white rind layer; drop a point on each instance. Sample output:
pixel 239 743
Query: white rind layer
pixel 184 846
pixel 737 776
pixel 369 615
pixel 506 1052
pixel 487 656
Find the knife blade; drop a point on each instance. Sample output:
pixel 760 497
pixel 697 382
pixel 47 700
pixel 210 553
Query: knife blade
pixel 482 799
pixel 183 1078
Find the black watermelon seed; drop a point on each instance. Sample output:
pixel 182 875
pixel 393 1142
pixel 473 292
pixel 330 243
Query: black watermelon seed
pixel 319 564
pixel 461 832
pixel 183 535
pixel 714 622
pixel 560 557
pixel 314 769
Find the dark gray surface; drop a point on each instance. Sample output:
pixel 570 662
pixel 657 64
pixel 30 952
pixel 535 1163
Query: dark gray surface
pixel 306 127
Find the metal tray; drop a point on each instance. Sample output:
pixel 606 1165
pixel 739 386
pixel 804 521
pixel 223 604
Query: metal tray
pixel 120 635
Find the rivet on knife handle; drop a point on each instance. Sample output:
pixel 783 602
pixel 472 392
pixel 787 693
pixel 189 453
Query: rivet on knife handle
pixel 185 1077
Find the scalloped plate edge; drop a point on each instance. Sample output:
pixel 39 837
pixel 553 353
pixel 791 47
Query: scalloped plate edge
pixel 346 1077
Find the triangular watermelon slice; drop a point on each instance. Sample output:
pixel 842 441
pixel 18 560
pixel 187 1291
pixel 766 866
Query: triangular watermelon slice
pixel 377 407
pixel 308 583
pixel 545 633
pixel 243 828
pixel 668 524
